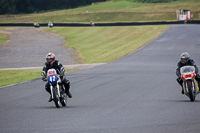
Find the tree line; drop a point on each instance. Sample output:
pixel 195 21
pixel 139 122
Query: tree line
pixel 29 6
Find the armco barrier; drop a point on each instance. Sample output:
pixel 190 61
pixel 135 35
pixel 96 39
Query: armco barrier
pixel 104 24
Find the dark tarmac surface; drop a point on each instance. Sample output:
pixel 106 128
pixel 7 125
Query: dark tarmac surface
pixel 28 47
pixel 135 94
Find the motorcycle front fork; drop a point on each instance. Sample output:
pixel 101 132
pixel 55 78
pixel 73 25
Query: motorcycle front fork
pixel 58 89
pixel 51 88
pixel 196 83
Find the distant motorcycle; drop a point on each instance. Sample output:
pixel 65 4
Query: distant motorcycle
pixel 190 85
pixel 58 94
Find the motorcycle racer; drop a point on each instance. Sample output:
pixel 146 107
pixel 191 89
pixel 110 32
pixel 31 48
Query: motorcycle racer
pixel 186 61
pixel 52 63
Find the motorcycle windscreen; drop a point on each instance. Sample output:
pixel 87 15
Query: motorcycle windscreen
pixel 186 69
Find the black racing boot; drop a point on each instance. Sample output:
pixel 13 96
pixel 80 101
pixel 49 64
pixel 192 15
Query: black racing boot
pixel 67 86
pixel 180 81
pixel 68 93
pixel 182 90
pixel 50 99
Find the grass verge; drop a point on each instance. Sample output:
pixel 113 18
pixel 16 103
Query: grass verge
pixel 110 11
pixel 105 44
pixel 3 37
pixel 94 45
pixel 8 77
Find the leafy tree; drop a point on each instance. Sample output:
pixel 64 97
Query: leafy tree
pixel 28 6
pixel 7 6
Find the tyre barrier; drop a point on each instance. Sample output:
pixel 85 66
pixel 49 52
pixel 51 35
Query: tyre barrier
pixel 104 24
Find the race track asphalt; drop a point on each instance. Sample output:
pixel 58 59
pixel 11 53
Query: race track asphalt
pixel 135 94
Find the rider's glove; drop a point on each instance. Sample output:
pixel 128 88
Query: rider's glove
pixel 197 75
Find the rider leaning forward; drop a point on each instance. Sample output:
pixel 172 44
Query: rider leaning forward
pixel 52 63
pixel 186 61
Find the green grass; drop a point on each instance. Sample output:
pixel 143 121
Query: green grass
pixel 8 77
pixel 105 44
pixel 111 11
pixel 3 37
pixel 94 45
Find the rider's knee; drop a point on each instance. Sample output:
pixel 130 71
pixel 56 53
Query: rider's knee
pixel 179 80
pixel 66 83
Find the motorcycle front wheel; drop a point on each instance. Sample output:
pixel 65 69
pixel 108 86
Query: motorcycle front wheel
pixel 190 89
pixel 55 97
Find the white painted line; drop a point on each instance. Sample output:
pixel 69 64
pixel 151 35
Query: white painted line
pixel 14 84
pixel 75 66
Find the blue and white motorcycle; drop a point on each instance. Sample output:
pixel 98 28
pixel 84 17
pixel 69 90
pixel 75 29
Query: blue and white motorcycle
pixel 58 94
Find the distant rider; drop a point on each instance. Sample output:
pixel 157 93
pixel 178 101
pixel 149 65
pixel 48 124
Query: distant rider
pixel 52 63
pixel 186 61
